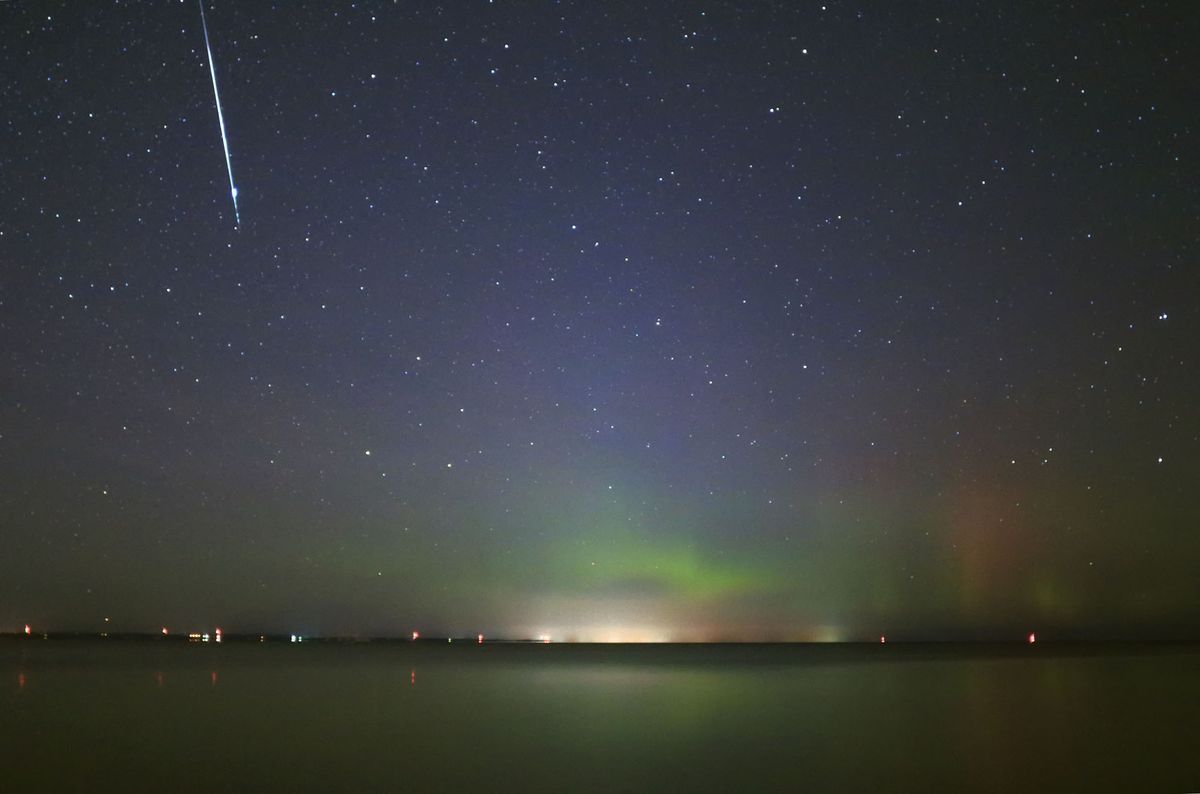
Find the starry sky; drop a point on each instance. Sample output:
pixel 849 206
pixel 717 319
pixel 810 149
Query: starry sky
pixel 606 321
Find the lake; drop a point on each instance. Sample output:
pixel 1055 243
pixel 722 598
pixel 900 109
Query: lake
pixel 172 716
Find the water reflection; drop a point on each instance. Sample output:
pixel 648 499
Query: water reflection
pixel 698 718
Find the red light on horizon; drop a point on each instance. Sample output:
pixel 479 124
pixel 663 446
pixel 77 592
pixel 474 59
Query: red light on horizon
pixel 882 640
pixel 28 631
pixel 481 639
pixel 416 635
pixel 164 631
pixel 1032 638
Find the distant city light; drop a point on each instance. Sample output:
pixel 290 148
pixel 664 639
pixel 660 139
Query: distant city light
pixel 164 631
pixel 416 635
pixel 218 635
pixel 27 629
pixel 882 640
pixel 480 638
pixel 1032 638
pixel 293 638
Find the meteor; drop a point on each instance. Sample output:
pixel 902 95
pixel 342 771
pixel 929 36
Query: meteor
pixel 220 118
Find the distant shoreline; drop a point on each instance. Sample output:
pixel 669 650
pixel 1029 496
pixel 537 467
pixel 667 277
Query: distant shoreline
pixel 286 639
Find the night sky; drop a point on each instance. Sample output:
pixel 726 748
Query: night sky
pixel 601 320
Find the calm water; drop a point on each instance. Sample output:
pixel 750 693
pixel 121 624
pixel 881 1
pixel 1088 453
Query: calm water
pixel 170 717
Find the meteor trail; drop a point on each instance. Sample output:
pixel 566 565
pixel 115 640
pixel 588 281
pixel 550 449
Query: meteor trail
pixel 220 118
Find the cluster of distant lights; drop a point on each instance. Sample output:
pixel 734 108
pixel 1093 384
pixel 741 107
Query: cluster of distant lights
pixel 217 636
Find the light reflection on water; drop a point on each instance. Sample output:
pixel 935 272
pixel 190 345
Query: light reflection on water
pixel 320 717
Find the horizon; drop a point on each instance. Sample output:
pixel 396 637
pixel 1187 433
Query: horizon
pixel 219 634
pixel 194 638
